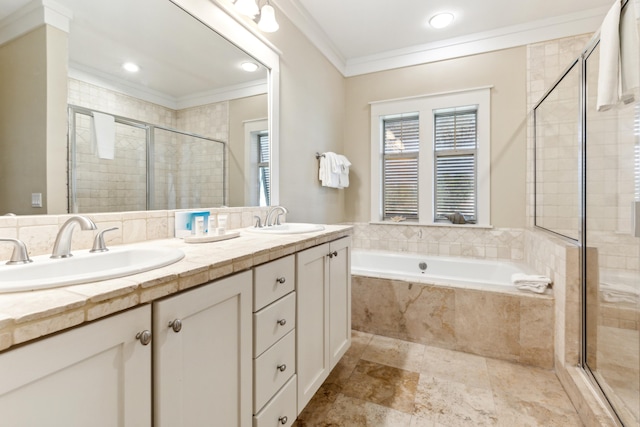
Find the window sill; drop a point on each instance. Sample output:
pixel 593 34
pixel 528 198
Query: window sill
pixel 433 224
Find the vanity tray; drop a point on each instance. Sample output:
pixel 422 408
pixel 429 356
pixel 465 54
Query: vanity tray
pixel 211 238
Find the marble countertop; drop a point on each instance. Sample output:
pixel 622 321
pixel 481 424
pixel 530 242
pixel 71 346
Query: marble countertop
pixel 25 316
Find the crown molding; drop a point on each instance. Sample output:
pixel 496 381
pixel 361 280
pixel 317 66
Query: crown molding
pixel 33 15
pixel 299 16
pixel 107 81
pixel 583 22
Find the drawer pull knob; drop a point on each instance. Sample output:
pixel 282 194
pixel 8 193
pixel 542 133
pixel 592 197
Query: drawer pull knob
pixel 176 325
pixel 283 420
pixel 282 322
pixel 282 367
pixel 144 337
pixel 281 280
pixel 332 254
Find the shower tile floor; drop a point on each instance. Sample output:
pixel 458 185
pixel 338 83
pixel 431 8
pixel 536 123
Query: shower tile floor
pixel 388 382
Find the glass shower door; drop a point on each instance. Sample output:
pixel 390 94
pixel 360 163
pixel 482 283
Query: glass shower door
pixel 612 267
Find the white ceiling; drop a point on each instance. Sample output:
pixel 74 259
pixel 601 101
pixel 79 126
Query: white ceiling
pixel 369 35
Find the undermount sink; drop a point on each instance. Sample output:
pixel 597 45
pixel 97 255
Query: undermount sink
pixel 287 228
pixel 84 267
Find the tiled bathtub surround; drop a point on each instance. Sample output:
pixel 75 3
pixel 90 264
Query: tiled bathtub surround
pixel 513 326
pixel 39 232
pixel 471 242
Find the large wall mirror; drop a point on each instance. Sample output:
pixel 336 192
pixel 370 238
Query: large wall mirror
pixel 191 128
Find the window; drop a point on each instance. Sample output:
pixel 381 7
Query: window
pixel 263 168
pixel 400 167
pixel 455 143
pixel 430 158
pixel 257 174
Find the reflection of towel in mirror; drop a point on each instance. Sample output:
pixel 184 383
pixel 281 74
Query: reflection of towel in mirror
pixel 530 282
pixel 334 170
pixel 103 135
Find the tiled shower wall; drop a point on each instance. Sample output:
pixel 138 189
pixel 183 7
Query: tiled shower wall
pixel 187 172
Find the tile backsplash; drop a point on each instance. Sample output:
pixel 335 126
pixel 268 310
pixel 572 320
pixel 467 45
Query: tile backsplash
pixel 488 243
pixel 39 232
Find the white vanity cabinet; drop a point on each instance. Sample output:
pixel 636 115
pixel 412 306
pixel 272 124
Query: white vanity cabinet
pixel 323 330
pixel 202 355
pixel 274 339
pixel 95 375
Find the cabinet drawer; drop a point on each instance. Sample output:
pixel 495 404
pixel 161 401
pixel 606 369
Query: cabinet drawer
pixel 281 410
pixel 272 281
pixel 273 322
pixel 272 369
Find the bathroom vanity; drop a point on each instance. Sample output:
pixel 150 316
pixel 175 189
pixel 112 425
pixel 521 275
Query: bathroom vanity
pixel 238 333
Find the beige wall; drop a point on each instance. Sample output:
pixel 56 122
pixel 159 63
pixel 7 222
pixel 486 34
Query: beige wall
pixel 25 126
pixel 504 70
pixel 312 119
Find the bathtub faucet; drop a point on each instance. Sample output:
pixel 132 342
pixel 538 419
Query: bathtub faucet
pixel 62 246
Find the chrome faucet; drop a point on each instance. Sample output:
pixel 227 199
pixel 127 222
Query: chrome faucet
pixel 277 210
pixel 19 254
pixel 62 246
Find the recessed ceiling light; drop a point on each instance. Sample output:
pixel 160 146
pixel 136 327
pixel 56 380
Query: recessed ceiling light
pixel 131 67
pixel 249 66
pixel 441 20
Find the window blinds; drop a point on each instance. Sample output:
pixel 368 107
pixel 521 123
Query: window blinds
pixel 400 166
pixel 264 170
pixel 455 143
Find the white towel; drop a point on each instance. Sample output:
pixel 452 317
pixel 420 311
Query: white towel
pixel 618 292
pixel 103 135
pixel 629 55
pixel 619 75
pixel 332 167
pixel 343 175
pixel 530 282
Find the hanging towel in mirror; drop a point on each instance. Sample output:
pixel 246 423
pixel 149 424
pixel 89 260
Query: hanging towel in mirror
pixel 103 135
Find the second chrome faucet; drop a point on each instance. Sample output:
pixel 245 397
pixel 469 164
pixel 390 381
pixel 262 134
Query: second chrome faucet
pixel 62 246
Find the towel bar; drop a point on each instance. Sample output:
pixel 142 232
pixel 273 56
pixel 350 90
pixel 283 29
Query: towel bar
pixel 318 155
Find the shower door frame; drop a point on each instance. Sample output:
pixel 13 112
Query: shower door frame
pixel 580 61
pixel 150 149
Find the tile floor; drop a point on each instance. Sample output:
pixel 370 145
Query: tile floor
pixel 388 382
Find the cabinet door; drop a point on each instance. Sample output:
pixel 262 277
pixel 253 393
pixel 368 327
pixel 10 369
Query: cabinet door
pixel 95 375
pixel 339 298
pixel 202 372
pixel 312 326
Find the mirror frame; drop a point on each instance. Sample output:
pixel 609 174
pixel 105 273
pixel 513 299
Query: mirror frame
pixel 220 19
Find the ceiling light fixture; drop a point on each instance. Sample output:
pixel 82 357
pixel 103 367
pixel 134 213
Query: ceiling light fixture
pixel 249 67
pixel 265 16
pixel 441 20
pixel 268 22
pixel 131 67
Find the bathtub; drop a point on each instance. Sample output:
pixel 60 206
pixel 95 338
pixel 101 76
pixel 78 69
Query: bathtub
pixel 436 270
pixel 454 303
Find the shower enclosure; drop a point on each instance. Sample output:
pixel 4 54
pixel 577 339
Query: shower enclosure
pixel 154 167
pixel 587 189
